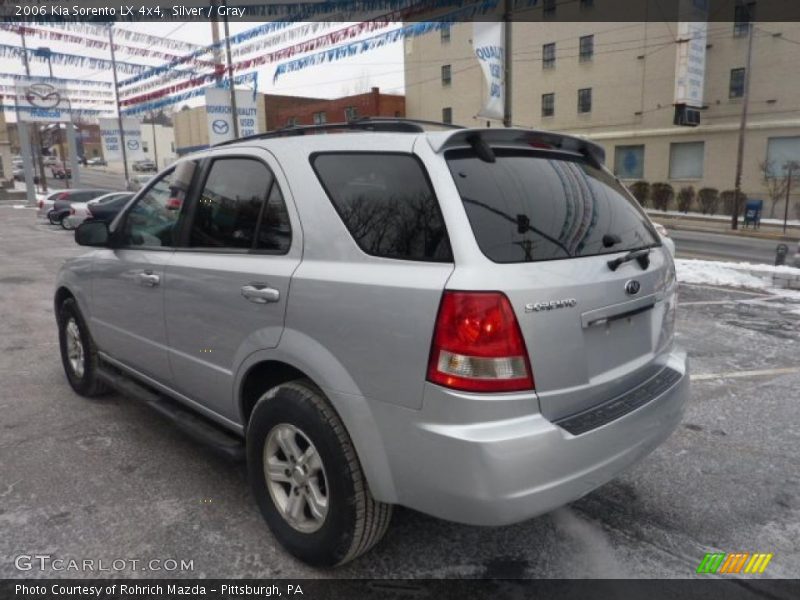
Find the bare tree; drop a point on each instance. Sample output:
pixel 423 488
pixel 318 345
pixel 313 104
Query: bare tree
pixel 774 184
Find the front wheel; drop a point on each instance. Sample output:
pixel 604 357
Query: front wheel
pixel 78 352
pixel 55 217
pixel 66 224
pixel 307 479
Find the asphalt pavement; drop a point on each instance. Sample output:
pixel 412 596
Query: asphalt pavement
pixel 109 479
pixel 92 177
pixel 715 246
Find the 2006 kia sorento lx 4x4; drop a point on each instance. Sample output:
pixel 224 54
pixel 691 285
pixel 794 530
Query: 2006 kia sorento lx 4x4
pixel 474 323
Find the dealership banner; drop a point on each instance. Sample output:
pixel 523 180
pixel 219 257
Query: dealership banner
pixel 488 41
pixel 41 101
pixel 690 66
pixel 112 140
pixel 219 114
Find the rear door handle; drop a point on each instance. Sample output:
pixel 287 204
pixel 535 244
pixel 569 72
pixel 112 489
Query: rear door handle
pixel 260 293
pixel 149 279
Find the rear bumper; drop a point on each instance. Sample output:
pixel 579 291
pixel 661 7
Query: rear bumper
pixel 506 471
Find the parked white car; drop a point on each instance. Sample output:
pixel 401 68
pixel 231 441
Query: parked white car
pixel 80 211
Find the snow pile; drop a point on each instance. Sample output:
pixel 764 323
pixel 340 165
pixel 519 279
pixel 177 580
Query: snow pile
pixel 742 275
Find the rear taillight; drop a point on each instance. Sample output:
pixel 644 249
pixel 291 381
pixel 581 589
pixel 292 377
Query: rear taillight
pixel 478 346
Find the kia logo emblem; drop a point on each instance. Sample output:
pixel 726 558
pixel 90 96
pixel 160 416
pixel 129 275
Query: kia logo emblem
pixel 220 126
pixel 632 287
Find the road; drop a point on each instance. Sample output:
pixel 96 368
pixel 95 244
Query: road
pixel 715 246
pixel 92 177
pixel 109 479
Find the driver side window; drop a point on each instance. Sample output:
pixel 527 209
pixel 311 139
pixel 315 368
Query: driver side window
pixel 153 220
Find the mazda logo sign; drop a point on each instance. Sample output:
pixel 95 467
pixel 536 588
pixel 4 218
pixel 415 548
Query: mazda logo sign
pixel 133 144
pixel 220 126
pixel 42 95
pixel 632 287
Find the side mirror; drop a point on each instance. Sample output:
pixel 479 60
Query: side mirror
pixel 92 233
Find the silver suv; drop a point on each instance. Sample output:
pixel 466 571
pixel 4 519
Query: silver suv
pixel 473 323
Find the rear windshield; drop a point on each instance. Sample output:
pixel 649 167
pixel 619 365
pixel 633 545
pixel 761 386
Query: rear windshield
pixel 530 206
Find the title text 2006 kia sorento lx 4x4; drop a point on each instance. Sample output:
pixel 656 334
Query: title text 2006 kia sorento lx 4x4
pixel 473 323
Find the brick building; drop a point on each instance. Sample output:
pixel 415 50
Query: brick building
pixel 311 112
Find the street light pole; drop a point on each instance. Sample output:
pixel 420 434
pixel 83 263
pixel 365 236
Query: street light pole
pixel 507 57
pixel 48 55
pixel 789 166
pixel 234 111
pixel 155 143
pixel 116 96
pixel 37 142
pixel 737 198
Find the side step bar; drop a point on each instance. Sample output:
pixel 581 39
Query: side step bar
pixel 194 425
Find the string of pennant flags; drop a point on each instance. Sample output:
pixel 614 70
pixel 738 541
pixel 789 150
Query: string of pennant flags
pixel 407 31
pixel 135 37
pixel 75 112
pixel 57 36
pixel 246 79
pixel 60 80
pixel 80 96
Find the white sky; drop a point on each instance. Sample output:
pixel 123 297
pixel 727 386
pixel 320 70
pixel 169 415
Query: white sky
pixel 382 67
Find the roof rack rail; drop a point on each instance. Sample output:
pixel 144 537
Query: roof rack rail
pixel 384 124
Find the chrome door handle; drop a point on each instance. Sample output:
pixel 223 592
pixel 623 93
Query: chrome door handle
pixel 260 294
pixel 149 279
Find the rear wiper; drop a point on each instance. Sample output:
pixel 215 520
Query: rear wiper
pixel 641 256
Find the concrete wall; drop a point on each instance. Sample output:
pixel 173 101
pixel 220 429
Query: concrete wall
pixel 164 144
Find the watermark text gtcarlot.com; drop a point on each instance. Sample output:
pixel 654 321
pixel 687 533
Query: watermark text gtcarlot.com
pixel 47 562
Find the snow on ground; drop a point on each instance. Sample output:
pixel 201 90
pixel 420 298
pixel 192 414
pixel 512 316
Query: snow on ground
pixel 739 275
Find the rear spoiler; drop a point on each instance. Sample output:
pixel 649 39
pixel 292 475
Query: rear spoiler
pixel 461 138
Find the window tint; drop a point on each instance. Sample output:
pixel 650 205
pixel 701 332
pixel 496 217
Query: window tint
pixel 153 218
pixel 229 206
pixel 528 207
pixel 387 204
pixel 275 230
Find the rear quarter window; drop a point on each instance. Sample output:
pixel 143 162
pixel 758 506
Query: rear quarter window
pixel 533 206
pixel 387 204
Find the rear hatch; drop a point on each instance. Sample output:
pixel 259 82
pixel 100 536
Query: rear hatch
pixel 550 221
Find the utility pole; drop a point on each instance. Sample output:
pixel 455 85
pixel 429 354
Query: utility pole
pixel 789 166
pixel 215 42
pixel 116 96
pixel 37 143
pixel 155 143
pixel 507 21
pixel 234 112
pixel 737 200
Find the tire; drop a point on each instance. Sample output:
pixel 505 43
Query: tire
pixel 54 217
pixel 81 375
pixel 65 224
pixel 353 522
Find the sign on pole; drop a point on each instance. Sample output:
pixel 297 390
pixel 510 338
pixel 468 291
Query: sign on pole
pixel 110 135
pixel 41 101
pixel 690 66
pixel 218 113
pixel 488 41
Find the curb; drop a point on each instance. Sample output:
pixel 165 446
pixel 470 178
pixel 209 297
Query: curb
pixel 778 237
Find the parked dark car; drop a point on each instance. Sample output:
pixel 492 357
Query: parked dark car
pixel 107 207
pixel 64 201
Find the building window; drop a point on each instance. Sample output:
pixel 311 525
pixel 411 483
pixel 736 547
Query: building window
pixel 447 115
pixel 629 162
pixel 686 160
pixel 350 113
pixel 780 152
pixel 587 4
pixel 743 14
pixel 445 33
pixel 446 75
pixel 586 51
pixel 320 118
pixel 549 9
pixel 585 100
pixel 549 56
pixel 736 87
pixel 548 105
pixel 291 122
